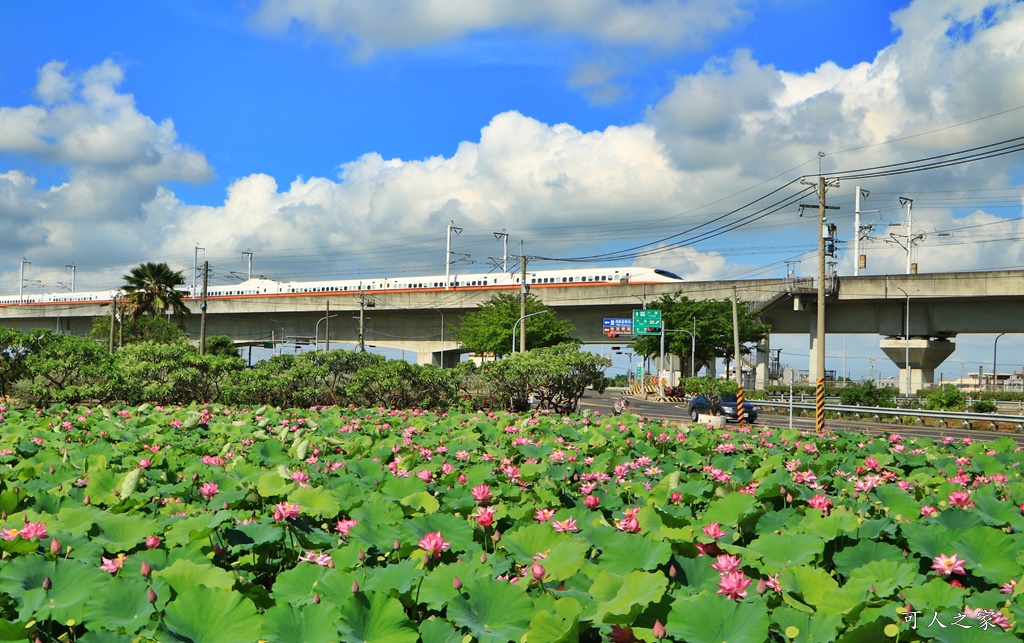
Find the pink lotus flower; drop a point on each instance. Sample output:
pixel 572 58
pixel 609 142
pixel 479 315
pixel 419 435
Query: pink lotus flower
pixel 145 463
pixel 324 560
pixel 569 524
pixel 152 542
pixel 9 534
pixel 482 494
pixel 734 585
pixel 285 510
pixel 484 516
pixel 1008 588
pixel 592 502
pixel 820 502
pixel 961 499
pixel 945 565
pixel 714 530
pixel 209 490
pixel 344 526
pixel 629 523
pixel 726 564
pixel 544 515
pixel 112 564
pixel 301 478
pixel 928 510
pixel 33 530
pixel 433 543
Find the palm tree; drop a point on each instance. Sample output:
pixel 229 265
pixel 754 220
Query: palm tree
pixel 151 289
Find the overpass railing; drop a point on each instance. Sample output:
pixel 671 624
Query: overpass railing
pixel 966 419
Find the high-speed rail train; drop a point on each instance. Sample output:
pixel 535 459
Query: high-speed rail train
pixel 579 277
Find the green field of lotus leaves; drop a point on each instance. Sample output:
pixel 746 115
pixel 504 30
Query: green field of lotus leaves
pixel 217 524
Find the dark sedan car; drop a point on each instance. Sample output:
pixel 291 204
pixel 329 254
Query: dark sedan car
pixel 699 405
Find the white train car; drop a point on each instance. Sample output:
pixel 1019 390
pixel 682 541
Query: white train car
pixel 578 277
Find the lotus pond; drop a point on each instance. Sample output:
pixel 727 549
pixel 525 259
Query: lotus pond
pixel 215 524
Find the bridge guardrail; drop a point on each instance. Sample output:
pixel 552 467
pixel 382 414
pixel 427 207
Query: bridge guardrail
pixel 944 416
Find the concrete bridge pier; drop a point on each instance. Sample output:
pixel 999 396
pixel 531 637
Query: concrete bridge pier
pixel 917 357
pixel 448 358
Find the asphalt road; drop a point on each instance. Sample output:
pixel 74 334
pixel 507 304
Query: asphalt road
pixel 679 412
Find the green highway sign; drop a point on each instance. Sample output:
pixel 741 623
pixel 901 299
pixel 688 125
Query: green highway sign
pixel 646 322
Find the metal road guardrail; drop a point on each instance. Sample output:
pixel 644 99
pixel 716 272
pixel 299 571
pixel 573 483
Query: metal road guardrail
pixel 946 417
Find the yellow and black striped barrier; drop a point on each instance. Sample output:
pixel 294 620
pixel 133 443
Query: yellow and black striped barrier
pixel 741 412
pixel 819 405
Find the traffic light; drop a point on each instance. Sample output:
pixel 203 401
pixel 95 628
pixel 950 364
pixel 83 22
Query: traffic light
pixel 616 348
pixel 653 330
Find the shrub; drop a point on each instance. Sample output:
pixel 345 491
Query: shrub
pixel 947 398
pixel 983 406
pixel 867 394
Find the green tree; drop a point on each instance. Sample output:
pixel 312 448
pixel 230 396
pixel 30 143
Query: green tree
pixel 152 289
pixel 221 345
pixel 867 394
pixel 144 329
pixel 558 375
pixel 488 329
pixel 714 336
pixel 15 348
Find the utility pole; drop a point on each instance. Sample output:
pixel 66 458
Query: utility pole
pixel 363 305
pixel 195 266
pixel 327 328
pixel 503 235
pixel 910 236
pixel 819 385
pixel 113 319
pixel 523 291
pixel 202 308
pixel 21 281
pixel 248 254
pixel 858 194
pixel 73 269
pixel 740 415
pixel 448 254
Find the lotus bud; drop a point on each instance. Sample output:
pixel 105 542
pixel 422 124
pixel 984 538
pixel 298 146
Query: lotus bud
pixel 676 498
pixel 195 477
pixel 483 557
pixel 396 545
pixel 316 598
pixel 52 470
pixel 537 570
pixel 497 536
pixel 672 571
pixel 54 546
pixel 361 555
pixel 152 542
pixel 456 583
pixel 462 480
pixel 658 630
pixel 47 584
pixel 117 493
pixel 355 587
pixel 85 501
pixel 592 502
pixel 225 504
pixel 60 487
pixel 761 587
pixel 150 595
pixel 146 569
pixel 3 515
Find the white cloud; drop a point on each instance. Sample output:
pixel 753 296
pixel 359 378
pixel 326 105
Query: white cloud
pixel 371 26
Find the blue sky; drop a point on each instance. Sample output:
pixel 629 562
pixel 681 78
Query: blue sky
pixel 329 136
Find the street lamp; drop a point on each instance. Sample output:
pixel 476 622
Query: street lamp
pixel 316 331
pixel 995 346
pixel 517 324
pixel 906 343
